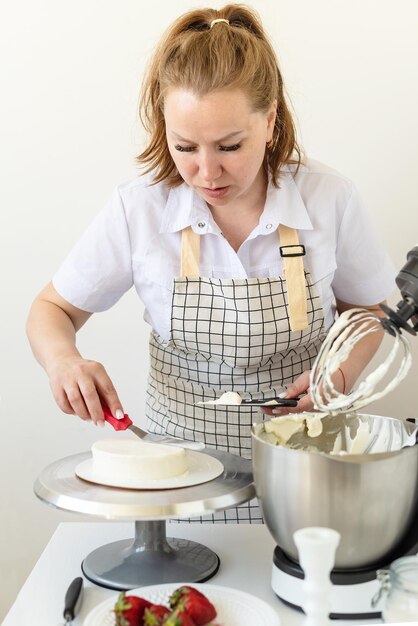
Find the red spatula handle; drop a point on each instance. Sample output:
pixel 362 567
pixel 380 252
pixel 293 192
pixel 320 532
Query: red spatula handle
pixel 117 424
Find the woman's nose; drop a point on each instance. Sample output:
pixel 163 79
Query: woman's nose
pixel 209 167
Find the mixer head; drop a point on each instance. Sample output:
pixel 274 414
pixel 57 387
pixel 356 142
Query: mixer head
pixel 407 308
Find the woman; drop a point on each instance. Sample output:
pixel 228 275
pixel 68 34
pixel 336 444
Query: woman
pixel 240 251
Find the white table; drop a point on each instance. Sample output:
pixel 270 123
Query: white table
pixel 245 552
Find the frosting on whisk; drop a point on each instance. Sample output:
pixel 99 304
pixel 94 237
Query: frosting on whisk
pixel 350 328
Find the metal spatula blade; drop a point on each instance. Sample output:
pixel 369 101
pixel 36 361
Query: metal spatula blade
pixel 271 402
pixel 126 422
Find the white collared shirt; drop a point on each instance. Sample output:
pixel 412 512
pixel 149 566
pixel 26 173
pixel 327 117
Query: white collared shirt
pixel 136 239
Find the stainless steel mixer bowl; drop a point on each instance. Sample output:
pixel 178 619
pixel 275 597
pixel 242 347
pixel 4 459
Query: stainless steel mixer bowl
pixel 370 499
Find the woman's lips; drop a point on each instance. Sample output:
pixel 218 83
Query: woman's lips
pixel 217 192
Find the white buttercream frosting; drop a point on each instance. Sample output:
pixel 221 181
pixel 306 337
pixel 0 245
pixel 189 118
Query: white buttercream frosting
pixel 285 426
pixel 351 327
pixel 348 434
pixel 119 458
pixel 229 397
pixel 232 398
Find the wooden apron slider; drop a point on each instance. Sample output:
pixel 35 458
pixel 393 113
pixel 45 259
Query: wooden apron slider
pixel 300 251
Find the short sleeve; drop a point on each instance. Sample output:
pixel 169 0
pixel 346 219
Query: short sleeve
pixel 98 270
pixel 365 274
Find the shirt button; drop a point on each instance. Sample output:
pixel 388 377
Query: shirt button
pixel 268 226
pixel 201 224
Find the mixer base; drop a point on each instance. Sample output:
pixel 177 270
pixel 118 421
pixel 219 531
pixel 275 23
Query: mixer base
pixel 351 593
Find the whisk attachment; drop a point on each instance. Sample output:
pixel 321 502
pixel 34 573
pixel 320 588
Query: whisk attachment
pixel 350 328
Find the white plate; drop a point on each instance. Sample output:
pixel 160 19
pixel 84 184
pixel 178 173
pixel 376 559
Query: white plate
pixel 202 469
pixel 234 608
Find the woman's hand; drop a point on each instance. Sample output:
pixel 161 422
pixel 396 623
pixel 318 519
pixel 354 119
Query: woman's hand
pixel 80 386
pixel 300 387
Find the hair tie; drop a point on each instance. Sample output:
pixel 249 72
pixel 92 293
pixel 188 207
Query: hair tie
pixel 220 19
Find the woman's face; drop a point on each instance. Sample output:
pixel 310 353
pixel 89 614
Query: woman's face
pixel 218 142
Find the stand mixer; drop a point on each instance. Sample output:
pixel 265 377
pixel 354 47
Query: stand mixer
pixel 370 499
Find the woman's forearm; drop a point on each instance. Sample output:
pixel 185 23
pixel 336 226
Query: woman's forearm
pixel 51 333
pixel 52 326
pixel 79 385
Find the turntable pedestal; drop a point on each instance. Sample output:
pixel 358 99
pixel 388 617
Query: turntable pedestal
pixel 150 558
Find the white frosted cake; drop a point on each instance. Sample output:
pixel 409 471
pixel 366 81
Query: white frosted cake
pixel 118 459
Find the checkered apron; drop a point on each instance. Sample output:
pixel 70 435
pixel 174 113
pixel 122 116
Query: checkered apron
pixel 253 336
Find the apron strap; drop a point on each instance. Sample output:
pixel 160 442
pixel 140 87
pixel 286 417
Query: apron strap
pixel 190 253
pixel 292 253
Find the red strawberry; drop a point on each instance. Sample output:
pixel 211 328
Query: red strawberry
pixel 177 595
pixel 129 610
pixel 179 617
pixel 155 614
pixel 201 610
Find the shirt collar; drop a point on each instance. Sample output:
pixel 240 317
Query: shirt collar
pixel 283 206
pixel 185 208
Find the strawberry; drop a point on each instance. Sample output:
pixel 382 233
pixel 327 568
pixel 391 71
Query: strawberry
pixel 194 603
pixel 155 614
pixel 179 617
pixel 201 610
pixel 129 610
pixel 180 592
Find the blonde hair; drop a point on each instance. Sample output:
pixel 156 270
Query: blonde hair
pixel 193 55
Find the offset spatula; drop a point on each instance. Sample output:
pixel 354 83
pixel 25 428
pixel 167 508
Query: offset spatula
pixel 126 423
pixel 271 403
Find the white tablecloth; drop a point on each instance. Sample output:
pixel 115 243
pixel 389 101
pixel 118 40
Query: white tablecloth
pixel 245 552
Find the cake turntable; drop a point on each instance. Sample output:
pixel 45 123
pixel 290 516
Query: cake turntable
pixel 150 557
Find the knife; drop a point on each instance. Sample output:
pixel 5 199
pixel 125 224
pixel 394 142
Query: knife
pixel 73 599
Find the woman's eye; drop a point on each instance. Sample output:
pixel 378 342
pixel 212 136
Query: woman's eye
pixel 230 148
pixel 222 148
pixel 184 148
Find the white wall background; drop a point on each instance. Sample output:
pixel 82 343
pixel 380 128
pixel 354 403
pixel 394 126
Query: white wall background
pixel 69 75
